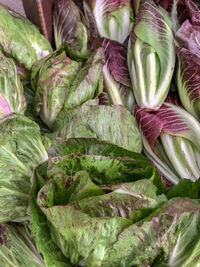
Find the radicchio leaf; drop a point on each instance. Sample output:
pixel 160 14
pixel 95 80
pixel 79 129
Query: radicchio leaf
pixel 114 18
pixel 69 26
pixel 188 74
pixel 116 75
pixel 151 55
pixel 171 140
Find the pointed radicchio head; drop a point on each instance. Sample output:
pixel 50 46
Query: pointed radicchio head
pixel 171 140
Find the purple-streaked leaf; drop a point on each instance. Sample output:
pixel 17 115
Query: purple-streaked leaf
pixel 151 55
pixel 114 18
pixel 188 74
pixel 94 38
pixel 116 58
pixel 188 36
pixel 116 76
pixel 69 26
pixel 171 140
pixel 188 81
pixel 187 9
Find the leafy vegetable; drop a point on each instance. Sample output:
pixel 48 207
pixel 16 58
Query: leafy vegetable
pixel 116 76
pixel 113 124
pixel 114 19
pixel 171 140
pixel 17 248
pixel 90 197
pixel 69 26
pixel 55 74
pixel 88 83
pixel 20 39
pixel 185 188
pixel 21 150
pixel 188 10
pixel 11 90
pixel 188 75
pixel 151 55
pixel 75 186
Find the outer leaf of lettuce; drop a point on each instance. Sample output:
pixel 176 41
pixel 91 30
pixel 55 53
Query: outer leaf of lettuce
pixel 165 238
pixel 116 75
pixel 21 150
pixel 113 124
pixel 114 19
pixel 20 39
pixel 185 188
pixel 69 26
pixel 17 247
pixel 39 224
pixel 53 84
pixel 88 82
pixel 151 55
pixel 11 90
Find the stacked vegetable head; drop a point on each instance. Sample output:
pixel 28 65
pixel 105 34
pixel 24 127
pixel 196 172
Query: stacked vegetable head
pixel 171 140
pixel 188 51
pixel 114 19
pixel 151 55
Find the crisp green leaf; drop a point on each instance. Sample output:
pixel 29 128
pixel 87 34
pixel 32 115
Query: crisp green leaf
pixel 55 74
pixel 17 248
pixel 12 99
pixel 185 188
pixel 113 124
pixel 21 150
pixel 87 83
pixel 20 39
pixel 151 55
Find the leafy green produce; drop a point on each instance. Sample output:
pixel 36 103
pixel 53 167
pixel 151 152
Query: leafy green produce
pixel 11 89
pixel 88 83
pixel 17 247
pixel 21 150
pixel 151 55
pixel 185 188
pixel 75 189
pixel 114 124
pixel 20 39
pixel 89 195
pixel 52 78
pixel 118 88
pixel 70 28
pixel 188 51
pixel 114 19
pixel 171 140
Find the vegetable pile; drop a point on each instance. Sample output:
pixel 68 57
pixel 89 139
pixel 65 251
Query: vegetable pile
pixel 99 136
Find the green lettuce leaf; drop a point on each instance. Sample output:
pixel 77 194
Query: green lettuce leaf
pixel 21 150
pixel 12 98
pixel 20 39
pixel 88 83
pixel 114 124
pixel 165 238
pixel 69 26
pixel 185 188
pixel 17 247
pixel 52 78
